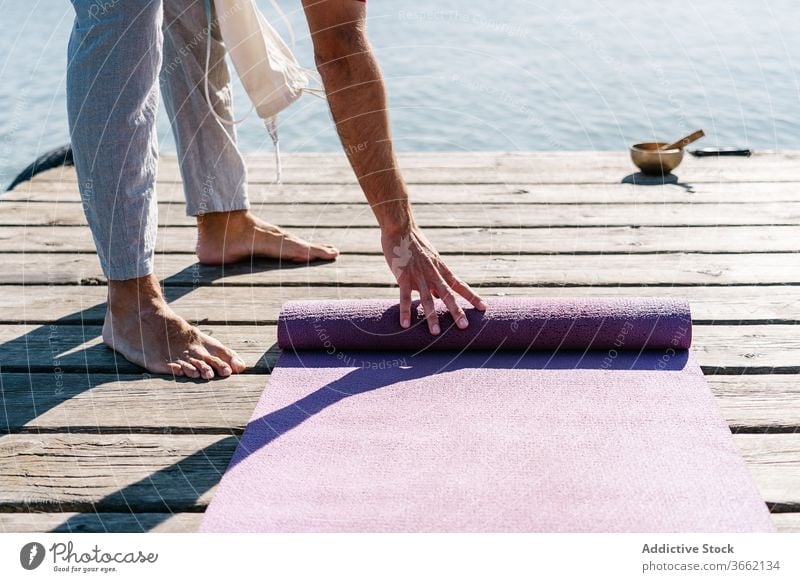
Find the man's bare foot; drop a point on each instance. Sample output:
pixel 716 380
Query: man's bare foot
pixel 143 328
pixel 227 237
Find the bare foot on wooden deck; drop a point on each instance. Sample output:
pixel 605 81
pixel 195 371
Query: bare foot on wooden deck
pixel 227 237
pixel 144 330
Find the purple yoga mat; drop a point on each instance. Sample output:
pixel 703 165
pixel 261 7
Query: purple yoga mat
pixel 514 323
pixel 546 416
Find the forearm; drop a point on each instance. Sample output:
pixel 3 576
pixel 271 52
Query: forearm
pixel 357 98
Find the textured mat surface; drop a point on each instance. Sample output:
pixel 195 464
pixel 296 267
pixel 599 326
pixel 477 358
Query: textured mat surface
pixel 591 416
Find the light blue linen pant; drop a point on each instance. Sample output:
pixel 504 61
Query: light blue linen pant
pixel 120 52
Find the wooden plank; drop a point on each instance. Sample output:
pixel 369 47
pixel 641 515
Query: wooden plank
pixel 71 348
pixel 148 473
pixel 493 167
pixel 481 270
pixel 767 348
pixel 653 191
pixel 88 402
pixel 179 522
pixel 764 454
pixel 787 522
pixel 75 348
pixel 90 522
pixel 452 215
pixel 770 402
pixel 544 167
pixel 473 240
pixel 156 473
pixel 243 305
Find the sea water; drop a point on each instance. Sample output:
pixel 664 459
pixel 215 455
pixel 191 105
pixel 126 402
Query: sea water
pixel 465 75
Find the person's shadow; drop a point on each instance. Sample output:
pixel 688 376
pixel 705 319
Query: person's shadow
pixel 179 487
pixel 57 348
pixel 373 373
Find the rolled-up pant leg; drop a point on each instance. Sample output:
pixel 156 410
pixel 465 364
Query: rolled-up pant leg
pixel 213 171
pixel 112 97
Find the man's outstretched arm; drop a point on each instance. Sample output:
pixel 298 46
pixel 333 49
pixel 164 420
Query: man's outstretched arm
pixel 357 98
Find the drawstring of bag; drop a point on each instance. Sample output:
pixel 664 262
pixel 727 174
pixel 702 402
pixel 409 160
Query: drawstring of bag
pixel 272 128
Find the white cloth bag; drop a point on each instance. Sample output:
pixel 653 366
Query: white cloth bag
pixel 269 72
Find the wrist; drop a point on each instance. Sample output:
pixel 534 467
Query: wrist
pixel 395 218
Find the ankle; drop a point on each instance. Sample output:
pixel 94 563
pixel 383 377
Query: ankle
pixel 138 296
pixel 217 222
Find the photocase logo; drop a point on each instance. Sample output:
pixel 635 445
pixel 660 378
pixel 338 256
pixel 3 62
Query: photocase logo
pixel 31 555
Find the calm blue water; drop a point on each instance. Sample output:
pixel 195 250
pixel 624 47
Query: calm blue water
pixel 475 75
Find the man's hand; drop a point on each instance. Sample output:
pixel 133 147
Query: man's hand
pixel 357 97
pixel 418 267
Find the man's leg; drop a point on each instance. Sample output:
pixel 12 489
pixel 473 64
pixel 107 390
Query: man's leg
pixel 112 98
pixel 213 171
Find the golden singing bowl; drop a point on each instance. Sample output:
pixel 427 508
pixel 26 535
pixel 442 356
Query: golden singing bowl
pixel 654 162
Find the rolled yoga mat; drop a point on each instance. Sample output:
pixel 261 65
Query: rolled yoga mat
pixel 568 415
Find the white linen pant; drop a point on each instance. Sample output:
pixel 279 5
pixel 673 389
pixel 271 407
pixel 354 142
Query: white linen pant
pixel 120 52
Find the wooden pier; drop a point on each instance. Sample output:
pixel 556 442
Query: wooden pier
pixel 91 443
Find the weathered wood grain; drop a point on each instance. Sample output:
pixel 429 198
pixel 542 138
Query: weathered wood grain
pixel 161 473
pixel 91 522
pixel 545 167
pixel 787 522
pixel 155 473
pixel 533 224
pixel 482 270
pixel 79 349
pixel 129 402
pixel 647 191
pixel 101 402
pixel 452 215
pixel 766 452
pixel 246 305
pixel 74 348
pixel 769 401
pixel 470 240
pixel 766 348
pixel 501 167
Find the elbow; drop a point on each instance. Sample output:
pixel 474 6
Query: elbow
pixel 338 48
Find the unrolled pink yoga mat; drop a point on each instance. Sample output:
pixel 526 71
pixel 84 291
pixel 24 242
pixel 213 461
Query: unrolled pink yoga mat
pixel 571 415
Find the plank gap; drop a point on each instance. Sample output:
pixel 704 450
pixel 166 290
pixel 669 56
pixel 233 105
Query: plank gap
pixel 273 321
pixel 259 370
pixel 122 430
pixel 471 253
pixel 237 431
